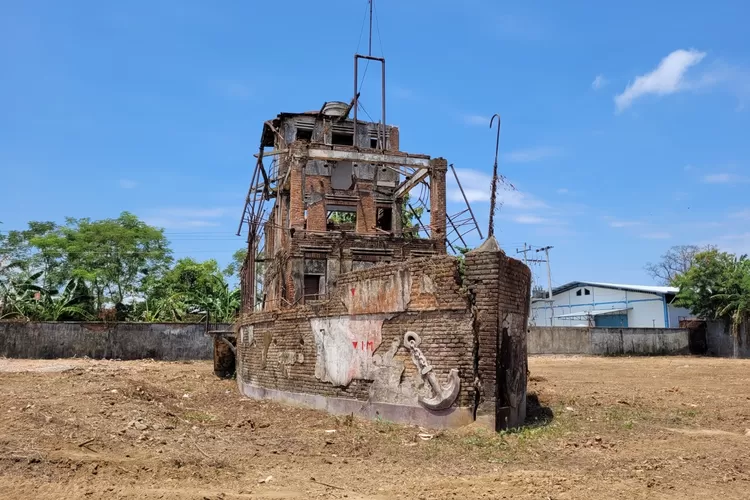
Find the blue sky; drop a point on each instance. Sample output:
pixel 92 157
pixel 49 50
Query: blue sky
pixel 625 124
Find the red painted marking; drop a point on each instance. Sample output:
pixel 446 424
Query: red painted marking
pixel 355 344
pixel 353 291
pixel 370 345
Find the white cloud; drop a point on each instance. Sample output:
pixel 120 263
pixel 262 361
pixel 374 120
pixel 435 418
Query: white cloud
pixel 186 217
pixel 723 178
pixel 477 186
pixel 127 184
pixel 563 191
pixel 667 78
pixel 658 235
pixel 476 120
pixel 599 82
pixel 194 212
pixel 530 219
pixel 532 154
pixel 731 78
pixel 622 223
pixel 176 223
pixel 742 214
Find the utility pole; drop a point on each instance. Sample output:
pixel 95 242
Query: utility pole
pixel 549 272
pixel 525 249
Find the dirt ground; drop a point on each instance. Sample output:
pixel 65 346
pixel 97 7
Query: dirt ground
pixel 672 427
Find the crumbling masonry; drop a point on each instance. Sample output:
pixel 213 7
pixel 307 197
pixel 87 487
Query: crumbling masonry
pixel 346 309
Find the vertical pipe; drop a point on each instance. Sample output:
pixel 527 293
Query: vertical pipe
pixel 356 100
pixel 369 47
pixel 383 98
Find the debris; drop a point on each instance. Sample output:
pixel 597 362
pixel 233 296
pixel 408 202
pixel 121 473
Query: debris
pixel 202 452
pixel 569 408
pixel 80 445
pixel 266 480
pixel 330 431
pixel 326 484
pixel 747 432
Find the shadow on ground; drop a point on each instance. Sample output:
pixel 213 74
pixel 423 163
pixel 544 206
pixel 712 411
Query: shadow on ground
pixel 536 413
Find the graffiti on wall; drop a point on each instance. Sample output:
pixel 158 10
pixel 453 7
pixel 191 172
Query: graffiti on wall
pixel 344 347
pixel 390 293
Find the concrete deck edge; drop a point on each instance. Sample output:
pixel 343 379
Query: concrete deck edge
pixel 452 417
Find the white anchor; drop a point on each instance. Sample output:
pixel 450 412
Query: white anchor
pixel 443 396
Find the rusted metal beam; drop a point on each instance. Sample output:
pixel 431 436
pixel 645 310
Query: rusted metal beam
pixel 467 202
pixel 410 183
pixel 273 152
pixel 355 156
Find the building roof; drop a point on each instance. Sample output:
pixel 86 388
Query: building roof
pixel 661 290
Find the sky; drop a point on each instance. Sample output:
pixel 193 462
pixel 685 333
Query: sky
pixel 624 124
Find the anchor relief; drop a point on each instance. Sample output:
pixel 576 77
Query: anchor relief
pixel 443 396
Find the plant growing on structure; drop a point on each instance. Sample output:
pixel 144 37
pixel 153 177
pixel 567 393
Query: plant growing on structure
pixel 409 217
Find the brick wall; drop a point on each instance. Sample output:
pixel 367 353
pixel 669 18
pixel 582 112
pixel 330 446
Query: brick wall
pixel 437 200
pixel 476 325
pixel 499 287
pixel 282 353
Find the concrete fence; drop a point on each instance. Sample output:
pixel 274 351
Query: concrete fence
pixel 164 341
pixel 607 341
pixel 723 342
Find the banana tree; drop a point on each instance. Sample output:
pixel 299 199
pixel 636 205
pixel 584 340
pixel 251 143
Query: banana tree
pixel 220 305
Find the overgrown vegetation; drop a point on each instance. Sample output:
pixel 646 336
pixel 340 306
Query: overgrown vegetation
pixel 112 269
pixel 716 286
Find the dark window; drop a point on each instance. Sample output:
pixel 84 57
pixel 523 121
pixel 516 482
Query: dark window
pixel 312 286
pixel 342 139
pixel 586 291
pixel 304 135
pixel 373 142
pixel 384 219
pixel 578 293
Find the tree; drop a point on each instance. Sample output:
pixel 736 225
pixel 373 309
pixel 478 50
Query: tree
pixel 717 286
pixel 113 256
pixel 221 305
pixel 234 268
pixel 675 262
pixel 20 255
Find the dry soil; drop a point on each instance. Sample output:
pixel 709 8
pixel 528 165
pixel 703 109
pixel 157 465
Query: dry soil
pixel 672 427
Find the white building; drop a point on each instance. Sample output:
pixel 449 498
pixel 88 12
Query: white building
pixel 584 303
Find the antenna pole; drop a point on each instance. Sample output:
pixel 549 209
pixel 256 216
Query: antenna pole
pixel 493 192
pixel 369 48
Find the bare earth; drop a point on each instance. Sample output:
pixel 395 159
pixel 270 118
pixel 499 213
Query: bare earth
pixel 622 428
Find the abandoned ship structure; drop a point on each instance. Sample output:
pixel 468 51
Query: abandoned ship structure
pixel 350 300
